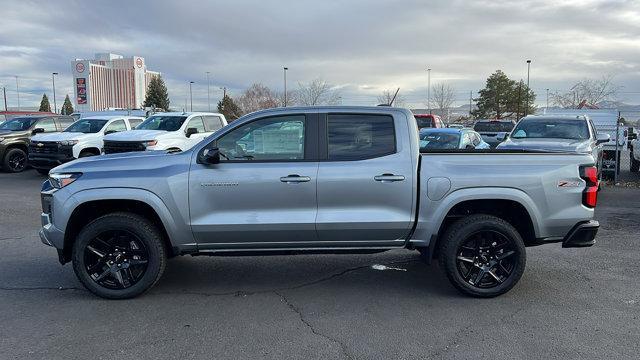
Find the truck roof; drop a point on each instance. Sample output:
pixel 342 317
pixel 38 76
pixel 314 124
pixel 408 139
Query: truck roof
pixel 189 113
pixel 557 117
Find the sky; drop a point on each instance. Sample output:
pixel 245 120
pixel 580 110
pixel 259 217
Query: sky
pixel 361 47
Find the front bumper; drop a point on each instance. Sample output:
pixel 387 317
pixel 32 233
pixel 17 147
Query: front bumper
pixel 582 235
pixel 49 161
pixel 49 234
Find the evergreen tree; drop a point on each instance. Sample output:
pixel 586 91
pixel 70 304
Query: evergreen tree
pixel 67 108
pixel 157 95
pixel 44 104
pixel 504 98
pixel 229 108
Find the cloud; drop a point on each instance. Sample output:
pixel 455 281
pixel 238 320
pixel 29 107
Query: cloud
pixel 360 46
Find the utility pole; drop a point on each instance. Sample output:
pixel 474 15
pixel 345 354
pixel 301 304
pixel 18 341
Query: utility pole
pixel 191 94
pixel 429 89
pixel 53 80
pixel 18 92
pixel 526 108
pixel 285 85
pixel 208 93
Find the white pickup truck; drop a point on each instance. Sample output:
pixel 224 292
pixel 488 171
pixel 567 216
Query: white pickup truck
pixel 83 138
pixel 318 179
pixel 166 131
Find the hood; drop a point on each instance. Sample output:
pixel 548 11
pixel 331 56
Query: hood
pixel 564 145
pixel 8 134
pixel 138 160
pixel 60 136
pixel 136 135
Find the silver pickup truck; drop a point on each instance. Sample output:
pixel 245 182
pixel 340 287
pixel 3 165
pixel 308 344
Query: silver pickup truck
pixel 320 179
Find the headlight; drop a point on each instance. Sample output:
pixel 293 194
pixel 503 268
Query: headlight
pixel 59 181
pixel 68 142
pixel 151 143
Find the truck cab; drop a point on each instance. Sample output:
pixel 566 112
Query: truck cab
pixel 166 131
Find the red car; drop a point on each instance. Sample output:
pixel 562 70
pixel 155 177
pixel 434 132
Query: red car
pixel 428 121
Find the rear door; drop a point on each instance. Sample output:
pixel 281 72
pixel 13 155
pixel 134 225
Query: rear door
pixel 365 182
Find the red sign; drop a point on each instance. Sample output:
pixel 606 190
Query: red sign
pixel 139 63
pixel 80 67
pixel 81 90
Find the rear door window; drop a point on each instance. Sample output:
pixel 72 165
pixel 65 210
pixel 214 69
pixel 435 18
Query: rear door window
pixel 213 123
pixel 360 136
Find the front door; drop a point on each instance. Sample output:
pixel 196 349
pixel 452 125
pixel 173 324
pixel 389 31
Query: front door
pixel 366 185
pixel 264 188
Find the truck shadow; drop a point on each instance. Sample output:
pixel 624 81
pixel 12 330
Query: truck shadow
pixel 395 271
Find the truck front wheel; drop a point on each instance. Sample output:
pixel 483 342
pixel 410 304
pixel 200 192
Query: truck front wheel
pixel 119 256
pixel 482 255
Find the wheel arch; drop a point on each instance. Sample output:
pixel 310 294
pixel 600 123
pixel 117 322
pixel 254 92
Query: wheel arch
pixel 86 206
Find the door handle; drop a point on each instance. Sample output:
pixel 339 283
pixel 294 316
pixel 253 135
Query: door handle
pixel 294 179
pixel 388 178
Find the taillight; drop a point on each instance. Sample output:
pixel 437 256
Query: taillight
pixel 590 194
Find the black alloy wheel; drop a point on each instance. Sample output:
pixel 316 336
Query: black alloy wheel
pixel 486 259
pixel 15 161
pixel 116 259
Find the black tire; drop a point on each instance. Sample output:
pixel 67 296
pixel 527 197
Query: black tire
pixel 148 239
pixel 43 171
pixel 496 265
pixel 635 164
pixel 15 160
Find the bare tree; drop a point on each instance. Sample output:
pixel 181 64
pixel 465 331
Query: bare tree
pixel 442 97
pixel 387 95
pixel 317 92
pixel 591 91
pixel 257 97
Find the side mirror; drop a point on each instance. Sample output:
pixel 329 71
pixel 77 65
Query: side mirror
pixel 191 131
pixel 602 138
pixel 37 131
pixel 209 156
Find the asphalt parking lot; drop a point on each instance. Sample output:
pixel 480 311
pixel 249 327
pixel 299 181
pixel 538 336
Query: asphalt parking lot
pixel 570 303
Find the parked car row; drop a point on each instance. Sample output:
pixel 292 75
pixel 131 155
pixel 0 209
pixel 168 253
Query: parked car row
pixel 46 141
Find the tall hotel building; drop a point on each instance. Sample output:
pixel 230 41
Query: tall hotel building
pixel 110 81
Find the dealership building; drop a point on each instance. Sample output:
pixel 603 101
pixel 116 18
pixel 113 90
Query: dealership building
pixel 110 81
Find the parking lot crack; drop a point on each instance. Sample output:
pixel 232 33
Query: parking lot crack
pixel 298 312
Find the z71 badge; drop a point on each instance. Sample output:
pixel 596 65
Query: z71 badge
pixel 568 183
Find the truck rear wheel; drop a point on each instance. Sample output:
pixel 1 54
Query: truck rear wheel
pixel 482 255
pixel 119 256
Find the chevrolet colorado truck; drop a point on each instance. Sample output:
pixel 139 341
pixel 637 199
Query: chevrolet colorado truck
pixel 316 179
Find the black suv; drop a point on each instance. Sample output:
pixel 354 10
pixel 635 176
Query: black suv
pixel 16 133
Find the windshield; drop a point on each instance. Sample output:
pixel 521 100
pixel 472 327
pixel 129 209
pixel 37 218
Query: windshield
pixel 424 122
pixel 18 124
pixel 439 140
pixel 493 126
pixel 87 126
pixel 551 129
pixel 160 122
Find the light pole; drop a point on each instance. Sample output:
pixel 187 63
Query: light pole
pixel 547 107
pixel 429 89
pixel 53 80
pixel 208 93
pixel 526 107
pixel 4 91
pixel 18 92
pixel 285 85
pixel 191 94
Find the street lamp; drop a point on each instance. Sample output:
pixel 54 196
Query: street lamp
pixel 429 89
pixel 53 80
pixel 526 108
pixel 208 93
pixel 18 92
pixel 285 85
pixel 191 94
pixel 547 107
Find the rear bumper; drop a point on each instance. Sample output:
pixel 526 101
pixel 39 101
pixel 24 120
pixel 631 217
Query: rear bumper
pixel 582 235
